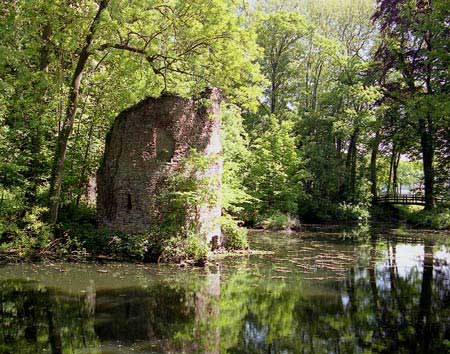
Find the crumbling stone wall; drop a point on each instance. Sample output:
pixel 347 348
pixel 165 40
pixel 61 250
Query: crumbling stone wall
pixel 145 147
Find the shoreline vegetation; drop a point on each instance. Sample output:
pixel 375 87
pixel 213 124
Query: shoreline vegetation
pixel 97 246
pixel 81 240
pixel 322 107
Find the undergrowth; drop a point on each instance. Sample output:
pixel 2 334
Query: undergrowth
pixel 437 219
pixel 278 221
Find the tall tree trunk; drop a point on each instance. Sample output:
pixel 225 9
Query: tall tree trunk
pixel 395 172
pixel 72 105
pixel 427 137
pixel 35 163
pixel 427 144
pixel 391 168
pixel 316 86
pixel 84 169
pixel 350 166
pixel 273 90
pixel 373 166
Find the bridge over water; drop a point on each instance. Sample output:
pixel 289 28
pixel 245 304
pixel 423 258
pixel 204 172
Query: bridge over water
pixel 404 199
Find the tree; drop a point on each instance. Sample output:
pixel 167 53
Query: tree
pixel 280 35
pixel 414 37
pixel 67 70
pixel 275 170
pixel 71 112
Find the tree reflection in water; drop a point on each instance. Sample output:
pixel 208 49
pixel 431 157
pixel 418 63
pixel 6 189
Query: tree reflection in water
pixel 394 298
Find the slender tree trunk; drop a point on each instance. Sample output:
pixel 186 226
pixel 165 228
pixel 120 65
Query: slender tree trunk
pixel 350 166
pixel 316 86
pixel 395 172
pixel 273 90
pixel 67 125
pixel 339 147
pixel 427 144
pixel 339 183
pixel 373 166
pixel 391 169
pixel 85 162
pixel 45 49
pixel 427 137
pixel 35 163
pixel 353 172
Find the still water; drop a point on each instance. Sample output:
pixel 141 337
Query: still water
pixel 362 290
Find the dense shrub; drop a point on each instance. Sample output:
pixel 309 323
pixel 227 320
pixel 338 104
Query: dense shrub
pixel 235 236
pixel 27 235
pixel 279 221
pixel 323 210
pixel 352 212
pixel 193 247
pixel 77 236
pixel 275 170
pixel 438 218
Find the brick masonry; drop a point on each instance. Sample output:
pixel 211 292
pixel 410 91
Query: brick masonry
pixel 144 147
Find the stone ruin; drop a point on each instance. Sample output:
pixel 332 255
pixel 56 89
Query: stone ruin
pixel 145 146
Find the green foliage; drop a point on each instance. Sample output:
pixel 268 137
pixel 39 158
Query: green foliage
pixel 179 234
pixel 409 173
pixel 279 221
pixel 320 210
pixel 410 29
pixel 138 49
pixel 76 237
pixel 317 117
pixel 192 247
pixel 438 219
pixel 176 235
pixel 359 234
pixel 280 36
pixel 275 170
pixel 235 197
pixel 350 212
pixel 236 158
pixel 313 91
pixel 234 235
pixel 26 236
pixel 125 245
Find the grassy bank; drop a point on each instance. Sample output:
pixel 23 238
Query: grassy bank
pixel 437 219
pixel 77 238
pixel 417 216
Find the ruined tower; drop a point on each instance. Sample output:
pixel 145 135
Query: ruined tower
pixel 145 146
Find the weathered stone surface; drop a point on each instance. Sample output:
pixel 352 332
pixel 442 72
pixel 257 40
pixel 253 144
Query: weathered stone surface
pixel 145 147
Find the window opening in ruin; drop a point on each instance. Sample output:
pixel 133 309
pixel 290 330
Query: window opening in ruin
pixel 129 206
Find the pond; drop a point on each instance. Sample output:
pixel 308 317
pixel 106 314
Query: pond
pixel 323 290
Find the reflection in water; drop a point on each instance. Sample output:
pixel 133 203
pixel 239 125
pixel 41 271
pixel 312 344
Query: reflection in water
pixel 318 293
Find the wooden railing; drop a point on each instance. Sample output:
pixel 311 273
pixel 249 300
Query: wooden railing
pixel 407 199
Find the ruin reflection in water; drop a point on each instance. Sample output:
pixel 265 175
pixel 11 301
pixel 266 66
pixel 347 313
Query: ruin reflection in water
pixel 356 291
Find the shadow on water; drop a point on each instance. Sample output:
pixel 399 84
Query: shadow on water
pixel 320 291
